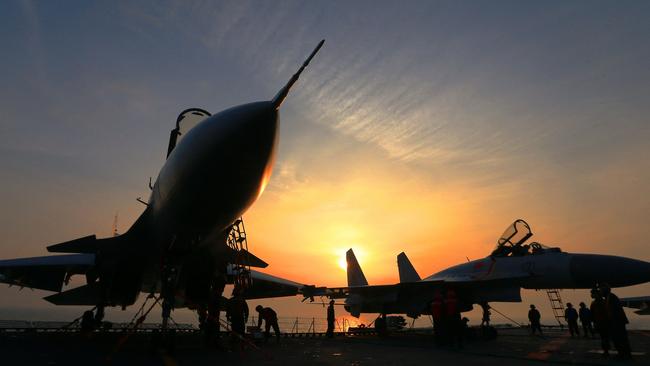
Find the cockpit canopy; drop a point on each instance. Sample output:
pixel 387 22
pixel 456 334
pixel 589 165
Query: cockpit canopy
pixel 185 122
pixel 512 242
pixel 516 234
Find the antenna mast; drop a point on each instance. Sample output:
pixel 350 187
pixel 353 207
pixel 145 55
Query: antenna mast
pixel 279 98
pixel 115 233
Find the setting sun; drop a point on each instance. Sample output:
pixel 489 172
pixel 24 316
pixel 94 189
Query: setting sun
pixel 342 263
pixel 341 254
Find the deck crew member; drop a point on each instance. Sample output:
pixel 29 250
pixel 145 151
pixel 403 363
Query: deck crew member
pixel 571 317
pixel 601 321
pixel 585 318
pixel 237 314
pixel 617 322
pixel 330 320
pixel 270 318
pixel 534 317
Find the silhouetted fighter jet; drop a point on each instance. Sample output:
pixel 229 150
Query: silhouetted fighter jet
pixel 641 303
pixel 498 277
pixel 178 246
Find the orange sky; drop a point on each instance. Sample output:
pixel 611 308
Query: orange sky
pixel 419 128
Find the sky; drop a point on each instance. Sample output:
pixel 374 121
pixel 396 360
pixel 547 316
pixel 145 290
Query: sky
pixel 425 127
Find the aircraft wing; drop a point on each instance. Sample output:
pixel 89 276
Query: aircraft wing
pixel 369 290
pixel 265 286
pixel 491 290
pixel 642 303
pixel 45 273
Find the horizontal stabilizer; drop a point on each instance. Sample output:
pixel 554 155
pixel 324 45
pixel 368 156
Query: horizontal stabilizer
pixel 265 285
pixel 246 258
pixel 355 274
pixel 407 272
pixel 45 273
pixel 87 244
pixel 84 295
pixel 91 245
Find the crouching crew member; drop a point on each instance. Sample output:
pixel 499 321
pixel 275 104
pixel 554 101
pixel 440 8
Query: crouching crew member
pixel 270 319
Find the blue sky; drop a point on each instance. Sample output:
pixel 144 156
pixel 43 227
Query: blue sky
pixel 454 117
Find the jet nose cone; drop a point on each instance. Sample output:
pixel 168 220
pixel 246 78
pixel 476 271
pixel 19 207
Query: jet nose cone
pixel 243 149
pixel 589 269
pixel 248 130
pixel 249 119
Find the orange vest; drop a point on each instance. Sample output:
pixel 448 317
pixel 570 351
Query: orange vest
pixel 436 306
pixel 452 302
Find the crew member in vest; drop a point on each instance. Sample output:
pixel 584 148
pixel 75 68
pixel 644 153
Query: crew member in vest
pixel 436 314
pixel 453 319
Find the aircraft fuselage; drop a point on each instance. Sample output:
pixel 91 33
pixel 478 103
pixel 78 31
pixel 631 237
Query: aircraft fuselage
pixel 215 173
pixel 500 279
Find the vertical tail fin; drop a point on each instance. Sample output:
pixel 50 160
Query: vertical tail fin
pixel 355 274
pixel 407 272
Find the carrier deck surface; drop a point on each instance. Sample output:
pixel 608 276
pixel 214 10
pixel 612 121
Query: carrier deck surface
pixel 513 347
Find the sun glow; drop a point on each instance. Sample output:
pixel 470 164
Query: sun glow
pixel 343 263
pixel 341 256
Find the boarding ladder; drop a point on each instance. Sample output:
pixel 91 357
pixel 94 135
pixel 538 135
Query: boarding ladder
pixel 557 305
pixel 237 241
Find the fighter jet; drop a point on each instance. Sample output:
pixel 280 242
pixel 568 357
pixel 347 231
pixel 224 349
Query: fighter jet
pixel 641 303
pixel 187 244
pixel 499 277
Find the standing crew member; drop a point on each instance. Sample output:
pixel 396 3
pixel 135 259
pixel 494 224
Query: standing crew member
pixel 485 321
pixel 436 314
pixel 330 320
pixel 453 319
pixel 534 317
pixel 571 317
pixel 585 318
pixel 617 322
pixel 87 322
pixel 237 314
pixel 601 321
pixel 270 320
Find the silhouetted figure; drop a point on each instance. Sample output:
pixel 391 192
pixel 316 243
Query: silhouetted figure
pixel 535 317
pixel 99 316
pixel 585 319
pixel 617 322
pixel 209 320
pixel 330 320
pixel 601 320
pixel 270 319
pixel 571 317
pixel 237 314
pixel 437 315
pixel 215 303
pixel 485 321
pixel 381 325
pixel 463 330
pixel 453 319
pixel 88 322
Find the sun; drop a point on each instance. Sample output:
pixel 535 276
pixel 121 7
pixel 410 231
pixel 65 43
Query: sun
pixel 341 254
pixel 343 263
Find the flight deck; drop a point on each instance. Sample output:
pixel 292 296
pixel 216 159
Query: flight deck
pixel 514 346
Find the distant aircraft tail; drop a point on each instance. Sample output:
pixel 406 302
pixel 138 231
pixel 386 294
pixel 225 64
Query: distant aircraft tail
pixel 407 272
pixel 355 274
